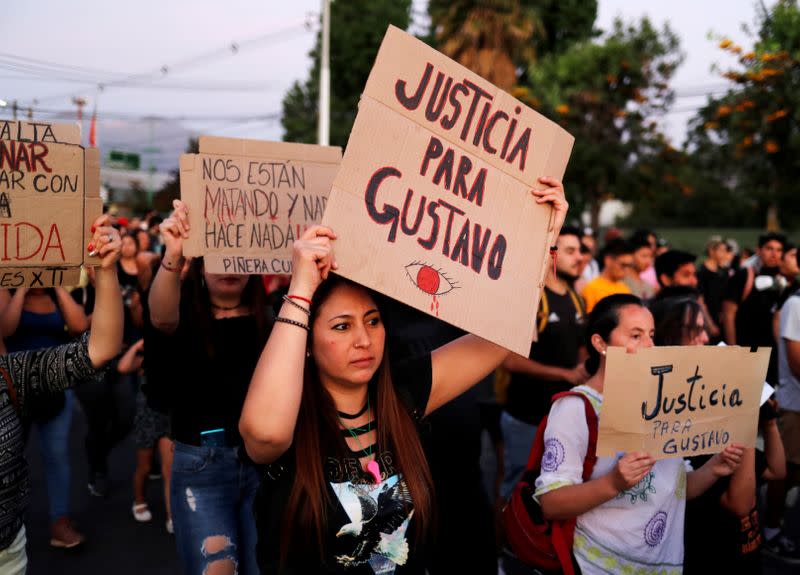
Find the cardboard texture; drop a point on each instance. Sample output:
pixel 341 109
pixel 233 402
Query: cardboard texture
pixel 432 203
pixel 709 398
pixel 49 197
pixel 249 200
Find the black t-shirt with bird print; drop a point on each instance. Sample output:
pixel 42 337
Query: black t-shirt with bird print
pixel 370 526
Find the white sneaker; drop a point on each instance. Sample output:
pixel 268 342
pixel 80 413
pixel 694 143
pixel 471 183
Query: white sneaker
pixel 141 512
pixel 169 527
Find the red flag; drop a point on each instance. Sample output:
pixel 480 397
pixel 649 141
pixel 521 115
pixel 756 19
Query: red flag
pixel 93 129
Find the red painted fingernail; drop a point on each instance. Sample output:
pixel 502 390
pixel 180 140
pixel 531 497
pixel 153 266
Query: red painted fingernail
pixel 94 227
pixel 90 248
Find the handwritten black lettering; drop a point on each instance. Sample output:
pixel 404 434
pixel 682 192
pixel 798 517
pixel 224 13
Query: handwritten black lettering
pixel 665 404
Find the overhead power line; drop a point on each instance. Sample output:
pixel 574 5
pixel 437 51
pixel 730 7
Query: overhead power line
pixel 104 79
pixel 166 86
pixel 110 115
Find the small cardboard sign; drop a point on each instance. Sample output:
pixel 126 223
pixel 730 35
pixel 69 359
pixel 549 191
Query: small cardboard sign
pixel 680 401
pixel 432 204
pixel 249 200
pixel 49 197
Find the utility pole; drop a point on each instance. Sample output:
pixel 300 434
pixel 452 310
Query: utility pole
pixel 323 128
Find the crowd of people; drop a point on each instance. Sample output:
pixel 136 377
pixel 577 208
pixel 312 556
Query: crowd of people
pixel 310 425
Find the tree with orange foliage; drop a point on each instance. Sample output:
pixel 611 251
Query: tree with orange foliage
pixel 750 137
pixel 607 94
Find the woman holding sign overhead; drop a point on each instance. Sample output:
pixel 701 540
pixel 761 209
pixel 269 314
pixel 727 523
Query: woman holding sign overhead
pixel 347 488
pixel 630 512
pixel 202 347
pixel 26 376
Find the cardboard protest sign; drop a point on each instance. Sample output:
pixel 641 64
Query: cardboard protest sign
pixel 432 204
pixel 249 200
pixel 49 197
pixel 680 401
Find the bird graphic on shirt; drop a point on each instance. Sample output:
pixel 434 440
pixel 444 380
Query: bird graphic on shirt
pixel 379 530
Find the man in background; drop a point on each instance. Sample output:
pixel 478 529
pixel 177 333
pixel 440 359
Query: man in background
pixel 554 364
pixel 617 258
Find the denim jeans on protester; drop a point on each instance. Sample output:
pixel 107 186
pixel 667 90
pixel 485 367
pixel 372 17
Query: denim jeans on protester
pixel 212 494
pixel 54 447
pixel 518 439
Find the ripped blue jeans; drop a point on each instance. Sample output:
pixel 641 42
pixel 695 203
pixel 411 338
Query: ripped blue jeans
pixel 212 495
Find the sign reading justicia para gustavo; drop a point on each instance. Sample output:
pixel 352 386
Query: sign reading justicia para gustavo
pixel 681 401
pixel 432 204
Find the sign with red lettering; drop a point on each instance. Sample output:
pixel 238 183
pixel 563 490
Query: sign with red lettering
pixel 49 197
pixel 681 401
pixel 249 200
pixel 432 205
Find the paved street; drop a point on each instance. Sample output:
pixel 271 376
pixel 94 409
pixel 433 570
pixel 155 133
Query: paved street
pixel 115 543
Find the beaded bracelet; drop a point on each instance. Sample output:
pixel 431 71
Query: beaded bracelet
pixel 292 322
pixel 297 305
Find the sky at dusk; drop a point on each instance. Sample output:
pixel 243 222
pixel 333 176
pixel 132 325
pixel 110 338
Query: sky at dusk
pixel 169 68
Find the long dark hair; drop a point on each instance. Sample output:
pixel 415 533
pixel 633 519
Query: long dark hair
pixel 196 308
pixel 602 321
pixel 671 316
pixel 305 519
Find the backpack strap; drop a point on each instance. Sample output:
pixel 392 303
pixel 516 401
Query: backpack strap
pixel 563 532
pixel 577 302
pixel 592 423
pixel 544 312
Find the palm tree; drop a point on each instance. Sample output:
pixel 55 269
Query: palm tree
pixel 490 37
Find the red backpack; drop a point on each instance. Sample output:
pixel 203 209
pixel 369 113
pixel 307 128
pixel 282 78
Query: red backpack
pixel 536 541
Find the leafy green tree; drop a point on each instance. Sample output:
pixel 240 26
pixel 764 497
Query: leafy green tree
pixel 607 94
pixel 357 29
pixel 750 137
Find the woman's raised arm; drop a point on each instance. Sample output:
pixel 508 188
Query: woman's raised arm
pixel 270 410
pixel 165 291
pixel 105 337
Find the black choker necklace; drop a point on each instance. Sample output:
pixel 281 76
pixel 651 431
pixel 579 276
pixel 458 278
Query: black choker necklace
pixel 344 415
pixel 223 308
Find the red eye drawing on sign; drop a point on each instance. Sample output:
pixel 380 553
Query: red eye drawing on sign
pixel 431 281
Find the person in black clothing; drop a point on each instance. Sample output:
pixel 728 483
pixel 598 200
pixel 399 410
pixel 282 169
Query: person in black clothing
pixel 348 488
pixel 108 403
pixel 554 364
pixel 202 345
pixel 712 276
pixel 752 299
pixel 451 439
pixel 676 271
pixel 722 527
